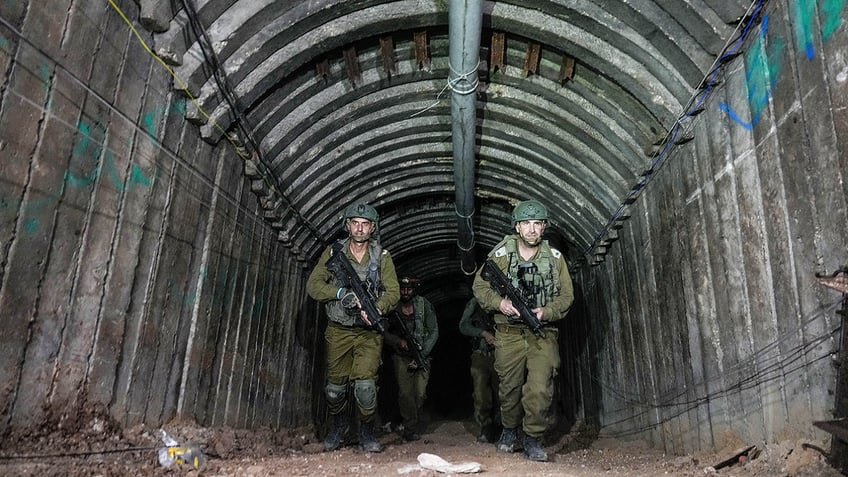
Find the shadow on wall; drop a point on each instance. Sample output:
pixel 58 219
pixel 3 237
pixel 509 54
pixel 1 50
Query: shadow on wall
pixel 310 324
pixel 576 393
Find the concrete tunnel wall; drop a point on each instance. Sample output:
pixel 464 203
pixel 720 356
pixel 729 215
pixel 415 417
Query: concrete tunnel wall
pixel 140 280
pixel 705 322
pixel 139 277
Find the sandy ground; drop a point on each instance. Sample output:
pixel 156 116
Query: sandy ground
pixel 99 449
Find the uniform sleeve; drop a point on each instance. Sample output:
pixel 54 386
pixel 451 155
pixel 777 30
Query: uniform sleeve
pixel 432 324
pixel 489 299
pixel 321 285
pixel 559 306
pixel 466 326
pixel 388 276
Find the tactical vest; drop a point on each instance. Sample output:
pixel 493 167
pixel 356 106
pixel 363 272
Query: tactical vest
pixel 539 283
pixel 368 271
pixel 419 327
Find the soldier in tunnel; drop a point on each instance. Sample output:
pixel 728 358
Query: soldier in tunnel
pixel 412 334
pixel 354 344
pixel 480 328
pixel 526 348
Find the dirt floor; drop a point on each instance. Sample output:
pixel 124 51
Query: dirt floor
pixel 102 449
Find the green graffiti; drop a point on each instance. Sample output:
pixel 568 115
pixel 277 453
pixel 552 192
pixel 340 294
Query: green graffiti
pixel 4 44
pixel 113 172
pixel 84 149
pixel 82 144
pixel 44 72
pixel 805 11
pixel 136 174
pixel 151 118
pixel 179 106
pixel 832 12
pixel 763 66
pixel 31 226
pixel 138 177
pixel 81 181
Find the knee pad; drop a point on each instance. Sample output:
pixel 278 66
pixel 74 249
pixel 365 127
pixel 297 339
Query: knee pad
pixel 365 391
pixel 335 392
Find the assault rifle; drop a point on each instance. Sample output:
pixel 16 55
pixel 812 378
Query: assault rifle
pixel 413 344
pixel 492 274
pixel 340 266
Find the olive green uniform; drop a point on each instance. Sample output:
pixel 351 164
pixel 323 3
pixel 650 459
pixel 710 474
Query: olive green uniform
pixel 412 385
pixel 353 351
pixel 525 363
pixel 484 379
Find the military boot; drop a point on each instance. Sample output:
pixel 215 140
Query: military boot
pixel 487 435
pixel 367 441
pixel 338 429
pixel 507 441
pixel 533 449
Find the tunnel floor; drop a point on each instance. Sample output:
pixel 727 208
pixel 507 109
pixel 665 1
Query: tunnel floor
pixel 98 449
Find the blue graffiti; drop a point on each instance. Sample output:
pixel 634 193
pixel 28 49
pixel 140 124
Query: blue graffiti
pixel 764 64
pixel 763 68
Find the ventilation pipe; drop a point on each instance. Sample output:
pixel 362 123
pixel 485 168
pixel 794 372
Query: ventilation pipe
pixel 465 21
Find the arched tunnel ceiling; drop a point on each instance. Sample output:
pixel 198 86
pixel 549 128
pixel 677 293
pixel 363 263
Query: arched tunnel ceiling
pixel 346 100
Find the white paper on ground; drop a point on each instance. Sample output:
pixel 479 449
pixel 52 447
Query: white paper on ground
pixel 434 462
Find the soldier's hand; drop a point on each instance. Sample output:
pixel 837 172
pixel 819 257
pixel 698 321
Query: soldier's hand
pixel 539 312
pixel 506 307
pixel 489 337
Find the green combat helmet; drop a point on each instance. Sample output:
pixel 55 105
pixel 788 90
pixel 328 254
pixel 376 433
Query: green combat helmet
pixel 529 210
pixel 364 211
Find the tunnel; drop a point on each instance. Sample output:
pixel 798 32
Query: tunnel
pixel 172 170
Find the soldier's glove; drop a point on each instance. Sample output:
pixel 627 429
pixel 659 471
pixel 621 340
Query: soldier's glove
pixel 349 300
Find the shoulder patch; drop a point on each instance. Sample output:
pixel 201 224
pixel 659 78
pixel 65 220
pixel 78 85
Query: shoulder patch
pixel 500 252
pixel 556 253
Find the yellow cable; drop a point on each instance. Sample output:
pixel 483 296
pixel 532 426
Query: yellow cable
pixel 179 81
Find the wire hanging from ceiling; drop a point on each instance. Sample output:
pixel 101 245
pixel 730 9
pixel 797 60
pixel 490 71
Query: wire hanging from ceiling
pixel 693 108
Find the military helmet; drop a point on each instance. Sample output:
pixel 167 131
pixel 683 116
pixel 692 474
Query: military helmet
pixel 529 210
pixel 409 282
pixel 364 211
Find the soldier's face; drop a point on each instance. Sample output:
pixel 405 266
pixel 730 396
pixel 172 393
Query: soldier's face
pixel 360 229
pixel 406 293
pixel 530 231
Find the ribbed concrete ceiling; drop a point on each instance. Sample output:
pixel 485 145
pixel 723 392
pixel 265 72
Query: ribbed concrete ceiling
pixel 347 101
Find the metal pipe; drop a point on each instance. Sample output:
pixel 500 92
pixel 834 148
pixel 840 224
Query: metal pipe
pixel 465 24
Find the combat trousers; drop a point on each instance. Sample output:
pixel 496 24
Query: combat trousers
pixel 485 386
pixel 353 356
pixel 412 391
pixel 526 366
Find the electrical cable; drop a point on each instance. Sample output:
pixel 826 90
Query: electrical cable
pixel 659 158
pixel 139 129
pixel 775 367
pixel 184 87
pixel 744 366
pixel 76 454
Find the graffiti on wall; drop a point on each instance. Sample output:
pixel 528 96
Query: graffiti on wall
pixel 764 59
pixel 90 160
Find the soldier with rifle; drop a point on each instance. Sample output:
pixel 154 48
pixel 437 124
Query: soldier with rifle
pixel 412 333
pixel 355 278
pixel 526 283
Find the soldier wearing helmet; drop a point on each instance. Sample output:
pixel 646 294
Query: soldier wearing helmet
pixel 413 325
pixel 526 364
pixel 353 351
